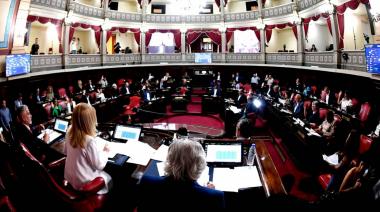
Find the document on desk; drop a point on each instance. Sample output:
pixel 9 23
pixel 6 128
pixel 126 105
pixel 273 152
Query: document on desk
pixel 52 135
pixel 161 168
pixel 226 179
pixel 286 111
pixel 116 147
pixel 234 109
pixel 161 153
pixel 140 153
pixel 332 159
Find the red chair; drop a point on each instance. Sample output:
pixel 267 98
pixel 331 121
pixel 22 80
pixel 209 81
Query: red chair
pixel 134 102
pixel 47 108
pixel 365 109
pixel 58 193
pixel 306 107
pixel 314 90
pixel 62 93
pixel 120 82
pixel 247 87
pixel 183 91
pixel 365 144
pixel 323 113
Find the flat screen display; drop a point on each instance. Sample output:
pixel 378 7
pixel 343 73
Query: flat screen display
pixel 127 133
pixel 224 153
pixel 17 64
pixel 372 54
pixel 61 125
pixel 203 58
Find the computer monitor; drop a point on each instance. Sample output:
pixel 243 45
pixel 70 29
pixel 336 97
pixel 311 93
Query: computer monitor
pixel 372 53
pixel 127 133
pixel 17 64
pixel 61 125
pixel 224 153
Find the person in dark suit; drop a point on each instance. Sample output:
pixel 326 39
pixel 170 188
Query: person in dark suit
pixel 27 134
pixel 298 111
pixel 146 94
pixel 216 91
pixel 249 107
pixel 179 190
pixel 242 99
pixel 313 116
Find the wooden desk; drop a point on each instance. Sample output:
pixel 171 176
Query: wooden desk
pixel 270 178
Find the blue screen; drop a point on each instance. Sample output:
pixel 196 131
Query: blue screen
pixel 127 135
pixel 372 54
pixel 203 58
pixel 17 64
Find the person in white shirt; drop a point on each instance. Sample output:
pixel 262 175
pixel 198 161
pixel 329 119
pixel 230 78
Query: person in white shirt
pixel 255 81
pixel 346 101
pixel 86 156
pixel 74 45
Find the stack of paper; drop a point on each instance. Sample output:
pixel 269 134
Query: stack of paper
pixel 332 159
pixel 226 179
pixel 161 153
pixel 52 135
pixel 234 109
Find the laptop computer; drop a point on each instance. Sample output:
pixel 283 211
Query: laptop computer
pixel 223 153
pixel 58 132
pixel 126 133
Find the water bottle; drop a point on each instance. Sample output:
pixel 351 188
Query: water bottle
pixel 251 155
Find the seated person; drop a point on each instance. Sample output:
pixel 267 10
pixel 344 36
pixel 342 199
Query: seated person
pixel 100 95
pixel 327 128
pixel 56 109
pixel 274 93
pixel 313 116
pixel 27 134
pixel 185 162
pixel 298 111
pixel 243 129
pixel 241 100
pixel 345 102
pixel 85 158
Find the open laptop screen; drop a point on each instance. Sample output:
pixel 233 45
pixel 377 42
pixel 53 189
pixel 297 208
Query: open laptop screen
pixel 127 133
pixel 61 125
pixel 224 153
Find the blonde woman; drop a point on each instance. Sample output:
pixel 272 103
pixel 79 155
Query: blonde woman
pixel 184 164
pixel 86 155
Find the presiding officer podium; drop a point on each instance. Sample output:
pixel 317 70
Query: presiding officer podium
pixel 179 104
pixel 211 104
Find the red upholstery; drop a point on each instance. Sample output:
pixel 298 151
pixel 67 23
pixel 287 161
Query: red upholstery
pixel 314 90
pixel 365 109
pixel 183 91
pixel 355 102
pixel 247 87
pixel 86 199
pixel 276 82
pixel 134 103
pixel 306 106
pixel 323 113
pixel 92 96
pixel 337 118
pixel 62 93
pixel 365 144
pixel 120 82
pixel 48 110
pixel 324 180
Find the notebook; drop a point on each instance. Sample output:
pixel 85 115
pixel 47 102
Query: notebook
pixel 224 153
pixel 126 133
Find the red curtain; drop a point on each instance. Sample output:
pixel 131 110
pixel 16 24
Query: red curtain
pixel 341 9
pixel 215 36
pixel 176 33
pixel 269 28
pixel 230 31
pixel 192 36
pixel 217 2
pixel 56 22
pixel 97 30
pixel 135 31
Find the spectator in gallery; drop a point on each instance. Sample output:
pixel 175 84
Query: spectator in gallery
pixel 35 47
pixel 74 45
pixel 313 48
pixel 183 167
pixel 116 48
pixel 128 50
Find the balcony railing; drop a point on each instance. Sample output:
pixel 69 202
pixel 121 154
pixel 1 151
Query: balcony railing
pixel 283 58
pixel 46 62
pixel 164 19
pixel 195 19
pixel 122 16
pixel 87 10
pixel 75 60
pixel 54 4
pixel 305 4
pixel 122 59
pixel 281 10
pixel 322 59
pixel 244 16
pixel 245 58
pixel 356 61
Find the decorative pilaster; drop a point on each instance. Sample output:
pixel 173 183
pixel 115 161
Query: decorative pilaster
pixel 261 27
pixel 300 43
pixel 335 35
pixel 103 43
pixel 142 42
pixel 65 41
pixel 183 44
